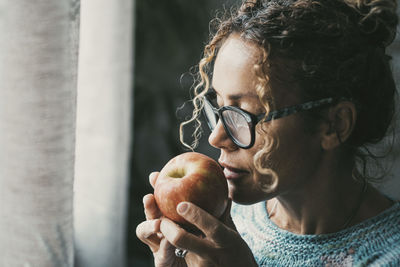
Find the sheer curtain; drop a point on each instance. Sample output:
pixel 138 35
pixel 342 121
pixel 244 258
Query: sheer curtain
pixel 103 132
pixel 56 120
pixel 37 131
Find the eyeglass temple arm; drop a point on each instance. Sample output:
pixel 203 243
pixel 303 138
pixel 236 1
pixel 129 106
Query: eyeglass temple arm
pixel 276 114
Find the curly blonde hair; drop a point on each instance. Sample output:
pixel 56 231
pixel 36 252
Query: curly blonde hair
pixel 330 48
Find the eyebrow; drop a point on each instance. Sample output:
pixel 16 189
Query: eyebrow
pixel 235 97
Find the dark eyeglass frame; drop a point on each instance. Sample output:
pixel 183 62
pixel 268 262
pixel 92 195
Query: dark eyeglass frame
pixel 252 119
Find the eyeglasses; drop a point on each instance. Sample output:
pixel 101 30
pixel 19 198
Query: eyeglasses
pixel 240 125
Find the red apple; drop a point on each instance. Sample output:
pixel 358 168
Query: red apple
pixel 195 178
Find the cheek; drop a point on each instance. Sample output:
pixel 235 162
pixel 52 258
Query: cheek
pixel 267 140
pixel 249 158
pixel 265 156
pixel 296 158
pixel 290 151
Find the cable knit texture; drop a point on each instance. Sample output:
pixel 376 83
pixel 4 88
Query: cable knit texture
pixel 374 242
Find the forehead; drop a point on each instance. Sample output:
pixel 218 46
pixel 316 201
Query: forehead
pixel 234 67
pixel 234 73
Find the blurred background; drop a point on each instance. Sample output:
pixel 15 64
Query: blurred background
pixel 170 36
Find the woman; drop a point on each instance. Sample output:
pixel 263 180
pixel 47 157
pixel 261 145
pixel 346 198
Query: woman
pixel 298 89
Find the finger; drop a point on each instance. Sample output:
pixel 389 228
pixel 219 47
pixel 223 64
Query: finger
pixel 166 251
pixel 147 233
pixel 208 224
pixel 153 178
pixel 151 209
pixel 148 228
pixel 180 238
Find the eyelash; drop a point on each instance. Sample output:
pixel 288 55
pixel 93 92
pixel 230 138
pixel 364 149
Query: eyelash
pixel 213 97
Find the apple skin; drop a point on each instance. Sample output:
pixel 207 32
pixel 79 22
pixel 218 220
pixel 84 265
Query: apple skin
pixel 195 178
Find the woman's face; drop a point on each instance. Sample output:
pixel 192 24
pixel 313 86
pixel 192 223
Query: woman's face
pixel 296 155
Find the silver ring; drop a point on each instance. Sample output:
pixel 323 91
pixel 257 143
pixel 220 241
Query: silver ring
pixel 180 253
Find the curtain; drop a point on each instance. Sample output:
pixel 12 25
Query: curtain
pixel 103 132
pixel 38 44
pixel 40 123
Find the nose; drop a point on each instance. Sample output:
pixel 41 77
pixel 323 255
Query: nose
pixel 219 138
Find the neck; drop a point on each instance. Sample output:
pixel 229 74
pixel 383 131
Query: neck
pixel 328 202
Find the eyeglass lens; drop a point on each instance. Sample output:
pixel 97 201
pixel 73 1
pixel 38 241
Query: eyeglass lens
pixel 237 126
pixel 234 122
pixel 210 115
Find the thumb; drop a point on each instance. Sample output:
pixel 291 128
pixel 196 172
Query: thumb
pixel 153 178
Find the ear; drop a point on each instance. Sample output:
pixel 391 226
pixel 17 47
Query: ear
pixel 341 121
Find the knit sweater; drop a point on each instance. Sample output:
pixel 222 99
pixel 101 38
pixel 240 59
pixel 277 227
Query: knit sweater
pixel 374 242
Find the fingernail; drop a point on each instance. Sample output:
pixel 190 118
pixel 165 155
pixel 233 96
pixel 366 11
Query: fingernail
pixel 182 207
pixel 146 198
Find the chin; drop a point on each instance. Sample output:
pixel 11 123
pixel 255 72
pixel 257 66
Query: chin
pixel 246 197
pixel 243 201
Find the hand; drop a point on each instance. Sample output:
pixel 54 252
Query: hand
pixel 149 233
pixel 221 246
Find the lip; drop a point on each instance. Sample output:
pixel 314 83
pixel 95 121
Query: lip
pixel 232 173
